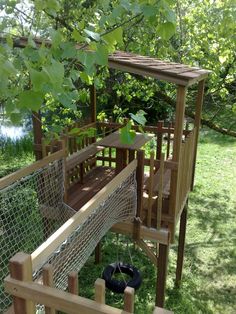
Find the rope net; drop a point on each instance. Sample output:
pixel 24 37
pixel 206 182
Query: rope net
pixel 31 209
pixel 72 254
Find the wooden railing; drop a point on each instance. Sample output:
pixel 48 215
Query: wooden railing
pixel 185 171
pixel 26 293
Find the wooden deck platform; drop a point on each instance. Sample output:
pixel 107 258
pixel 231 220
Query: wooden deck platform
pixel 79 194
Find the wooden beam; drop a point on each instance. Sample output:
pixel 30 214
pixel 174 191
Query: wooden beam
pixel 160 236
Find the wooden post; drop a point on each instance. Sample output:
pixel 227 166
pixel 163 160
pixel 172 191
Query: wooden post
pixel 73 283
pixel 150 190
pixel 139 178
pixel 98 253
pixel 38 134
pixel 129 300
pixel 162 274
pixel 48 281
pixel 182 233
pixel 21 269
pixel 197 122
pixel 178 132
pixel 100 291
pixel 93 103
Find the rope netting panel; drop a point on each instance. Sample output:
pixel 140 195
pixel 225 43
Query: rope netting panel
pixel 31 209
pixel 72 254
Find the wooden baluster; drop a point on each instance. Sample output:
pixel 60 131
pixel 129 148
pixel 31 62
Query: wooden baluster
pixel 160 192
pixel 21 269
pixel 73 283
pixel 168 141
pixel 159 139
pixel 150 190
pixel 48 281
pixel 129 300
pixel 100 291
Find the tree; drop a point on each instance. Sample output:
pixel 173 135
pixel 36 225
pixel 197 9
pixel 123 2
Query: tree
pixel 81 34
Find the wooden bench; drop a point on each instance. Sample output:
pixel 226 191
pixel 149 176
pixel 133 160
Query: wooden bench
pixel 156 182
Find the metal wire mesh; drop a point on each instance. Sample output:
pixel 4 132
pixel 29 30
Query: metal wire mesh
pixel 30 210
pixel 72 254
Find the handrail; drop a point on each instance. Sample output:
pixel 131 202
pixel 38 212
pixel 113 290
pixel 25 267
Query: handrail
pixel 51 244
pixel 13 177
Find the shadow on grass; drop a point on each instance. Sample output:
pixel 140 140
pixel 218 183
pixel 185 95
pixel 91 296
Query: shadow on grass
pixel 208 284
pixel 208 136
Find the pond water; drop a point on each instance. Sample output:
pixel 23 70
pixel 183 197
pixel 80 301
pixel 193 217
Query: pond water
pixel 12 132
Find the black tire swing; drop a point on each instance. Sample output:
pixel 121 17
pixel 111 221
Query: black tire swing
pixel 119 286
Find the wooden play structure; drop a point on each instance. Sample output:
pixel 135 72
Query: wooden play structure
pixel 94 170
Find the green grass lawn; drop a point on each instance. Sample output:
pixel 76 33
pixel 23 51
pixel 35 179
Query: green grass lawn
pixel 209 276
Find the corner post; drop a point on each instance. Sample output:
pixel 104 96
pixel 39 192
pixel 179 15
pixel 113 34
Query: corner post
pixel 21 269
pixel 197 122
pixel 181 245
pixel 139 178
pixel 178 132
pixel 162 274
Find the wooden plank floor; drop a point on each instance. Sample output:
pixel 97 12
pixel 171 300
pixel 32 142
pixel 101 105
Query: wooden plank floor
pixel 94 181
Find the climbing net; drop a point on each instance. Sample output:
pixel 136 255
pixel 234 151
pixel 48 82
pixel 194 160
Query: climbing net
pixel 31 209
pixel 72 254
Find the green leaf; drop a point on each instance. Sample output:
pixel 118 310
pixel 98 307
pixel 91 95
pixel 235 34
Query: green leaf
pixel 67 100
pixel 92 35
pixel 77 36
pixel 31 100
pixel 38 79
pixel 114 37
pixel 101 55
pixel 127 135
pixel 56 37
pixel 139 117
pixel 166 30
pixel 74 131
pixel 149 10
pixel 55 73
pixel 69 50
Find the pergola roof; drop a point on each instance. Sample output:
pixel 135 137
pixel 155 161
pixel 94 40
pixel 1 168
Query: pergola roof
pixel 176 73
pixel 168 71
